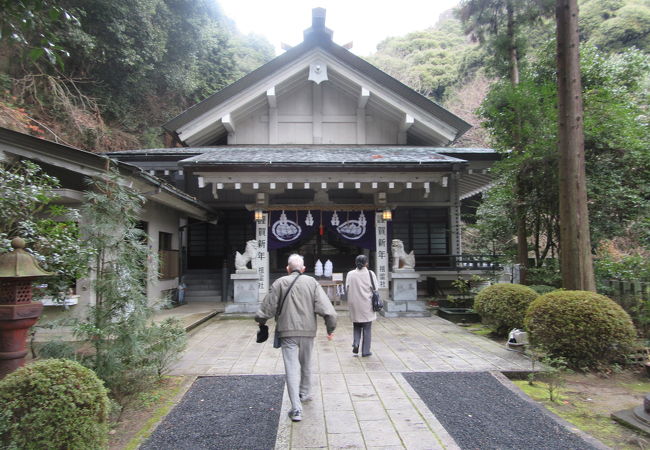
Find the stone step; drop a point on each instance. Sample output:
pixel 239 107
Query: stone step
pixel 203 286
pixel 202 279
pixel 202 292
pixel 211 298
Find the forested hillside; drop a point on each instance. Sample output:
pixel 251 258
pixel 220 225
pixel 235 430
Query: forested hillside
pixel 454 64
pixel 105 74
pixel 500 75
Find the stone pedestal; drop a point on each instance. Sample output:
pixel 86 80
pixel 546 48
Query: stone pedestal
pixel 245 292
pixel 404 296
pixel 405 285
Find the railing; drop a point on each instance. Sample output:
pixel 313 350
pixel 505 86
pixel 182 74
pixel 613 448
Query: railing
pixel 458 262
pixel 634 298
pixel 169 264
pixel 622 289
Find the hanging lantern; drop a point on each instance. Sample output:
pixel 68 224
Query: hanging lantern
pixel 387 215
pixel 259 215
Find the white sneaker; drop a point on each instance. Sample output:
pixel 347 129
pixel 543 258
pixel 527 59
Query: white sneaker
pixel 295 415
pixel 306 397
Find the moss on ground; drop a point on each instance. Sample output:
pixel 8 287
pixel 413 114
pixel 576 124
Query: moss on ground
pixel 150 408
pixel 581 414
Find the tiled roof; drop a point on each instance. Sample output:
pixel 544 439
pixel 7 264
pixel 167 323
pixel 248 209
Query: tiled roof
pixel 158 151
pixel 452 150
pixel 312 154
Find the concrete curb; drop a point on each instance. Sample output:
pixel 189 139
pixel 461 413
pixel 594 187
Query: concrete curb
pixel 202 320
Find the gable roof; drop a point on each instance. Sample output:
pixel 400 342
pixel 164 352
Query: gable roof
pixel 319 38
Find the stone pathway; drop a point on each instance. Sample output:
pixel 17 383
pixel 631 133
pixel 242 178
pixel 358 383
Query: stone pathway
pixel 359 402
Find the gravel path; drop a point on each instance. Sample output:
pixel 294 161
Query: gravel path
pixel 233 412
pixel 479 412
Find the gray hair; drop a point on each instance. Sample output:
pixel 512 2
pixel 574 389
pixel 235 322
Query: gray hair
pixel 296 262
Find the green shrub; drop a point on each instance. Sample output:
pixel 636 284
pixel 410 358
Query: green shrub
pixel 586 328
pixel 165 342
pixel 55 403
pixel 547 274
pixel 57 349
pixel 503 306
pixel 542 288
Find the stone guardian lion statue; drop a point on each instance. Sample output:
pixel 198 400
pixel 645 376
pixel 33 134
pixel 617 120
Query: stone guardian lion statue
pixel 242 260
pixel 401 260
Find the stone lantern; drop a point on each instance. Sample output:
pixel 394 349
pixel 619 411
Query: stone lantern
pixel 17 311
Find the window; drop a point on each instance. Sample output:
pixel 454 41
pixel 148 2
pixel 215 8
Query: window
pixel 423 230
pixel 168 258
pixel 164 241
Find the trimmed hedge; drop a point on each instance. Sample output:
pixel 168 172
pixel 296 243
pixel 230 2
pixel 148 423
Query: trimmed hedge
pixel 503 306
pixel 542 288
pixel 54 403
pixel 585 328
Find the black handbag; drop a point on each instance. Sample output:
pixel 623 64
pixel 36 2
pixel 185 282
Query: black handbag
pixel 377 304
pixel 262 333
pixel 276 333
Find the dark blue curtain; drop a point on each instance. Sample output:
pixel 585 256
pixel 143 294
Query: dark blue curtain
pixel 354 227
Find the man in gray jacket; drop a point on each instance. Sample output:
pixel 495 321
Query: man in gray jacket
pixel 297 326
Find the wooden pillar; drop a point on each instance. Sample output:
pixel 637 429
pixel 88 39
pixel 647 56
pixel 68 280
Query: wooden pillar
pixel 454 215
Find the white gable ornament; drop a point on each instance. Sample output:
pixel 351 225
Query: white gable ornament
pixel 317 72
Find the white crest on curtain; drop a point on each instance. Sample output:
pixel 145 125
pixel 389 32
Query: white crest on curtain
pixel 309 220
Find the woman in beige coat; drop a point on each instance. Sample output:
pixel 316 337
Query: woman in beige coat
pixel 359 293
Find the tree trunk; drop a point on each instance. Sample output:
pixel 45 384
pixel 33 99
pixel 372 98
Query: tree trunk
pixel 520 194
pixel 576 262
pixel 512 45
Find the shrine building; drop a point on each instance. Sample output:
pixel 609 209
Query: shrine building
pixel 320 153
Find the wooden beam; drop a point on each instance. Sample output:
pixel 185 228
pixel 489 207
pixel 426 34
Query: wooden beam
pixel 363 98
pixel 273 115
pixel 270 96
pixel 317 113
pixel 403 128
pixel 229 125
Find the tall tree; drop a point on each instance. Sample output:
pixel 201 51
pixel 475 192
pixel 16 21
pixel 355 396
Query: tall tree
pixel 500 21
pixel 576 263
